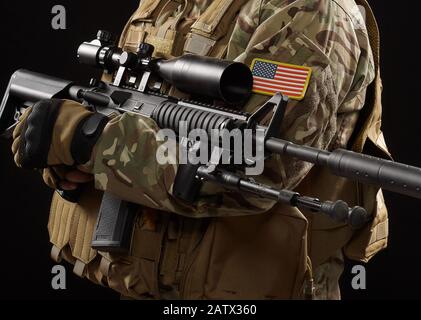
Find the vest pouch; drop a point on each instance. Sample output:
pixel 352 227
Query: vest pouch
pixel 327 236
pixel 61 214
pixel 370 140
pixel 134 35
pixel 211 33
pixel 136 275
pixel 140 24
pixel 366 243
pixel 218 18
pixel 155 25
pixel 71 227
pixel 256 257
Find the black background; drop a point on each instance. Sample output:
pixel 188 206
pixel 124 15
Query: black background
pixel 27 40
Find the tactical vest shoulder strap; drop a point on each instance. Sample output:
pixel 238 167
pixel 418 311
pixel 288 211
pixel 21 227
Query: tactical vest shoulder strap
pixel 147 8
pixel 165 36
pixel 370 121
pixel 373 32
pixel 147 12
pixel 210 34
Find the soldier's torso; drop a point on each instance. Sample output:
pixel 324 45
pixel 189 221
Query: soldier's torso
pixel 262 257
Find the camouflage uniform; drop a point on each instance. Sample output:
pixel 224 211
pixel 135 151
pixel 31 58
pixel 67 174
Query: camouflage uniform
pixel 327 35
pixel 318 34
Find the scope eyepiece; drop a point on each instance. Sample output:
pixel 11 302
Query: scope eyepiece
pixel 101 52
pixel 99 56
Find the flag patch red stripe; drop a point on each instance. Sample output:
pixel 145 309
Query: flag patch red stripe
pixel 290 79
pixel 292 67
pixel 292 75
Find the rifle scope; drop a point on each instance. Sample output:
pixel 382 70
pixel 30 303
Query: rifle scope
pixel 224 80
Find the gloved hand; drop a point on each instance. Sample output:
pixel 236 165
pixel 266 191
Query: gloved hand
pixel 52 133
pixel 66 178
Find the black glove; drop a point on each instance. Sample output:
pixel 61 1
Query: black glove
pixel 56 132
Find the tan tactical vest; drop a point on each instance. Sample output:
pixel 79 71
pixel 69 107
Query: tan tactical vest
pixel 269 256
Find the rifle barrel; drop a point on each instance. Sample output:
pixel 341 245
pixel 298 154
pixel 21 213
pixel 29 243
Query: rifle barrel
pixel 389 175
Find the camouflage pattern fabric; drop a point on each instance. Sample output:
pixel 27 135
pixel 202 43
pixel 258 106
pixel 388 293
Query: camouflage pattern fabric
pixel 326 278
pixel 328 36
pixel 199 7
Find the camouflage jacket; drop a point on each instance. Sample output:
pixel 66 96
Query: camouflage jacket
pixel 327 35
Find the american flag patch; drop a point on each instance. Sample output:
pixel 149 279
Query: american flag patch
pixel 271 77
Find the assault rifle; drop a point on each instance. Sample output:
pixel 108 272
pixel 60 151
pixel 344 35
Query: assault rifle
pixel 136 88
